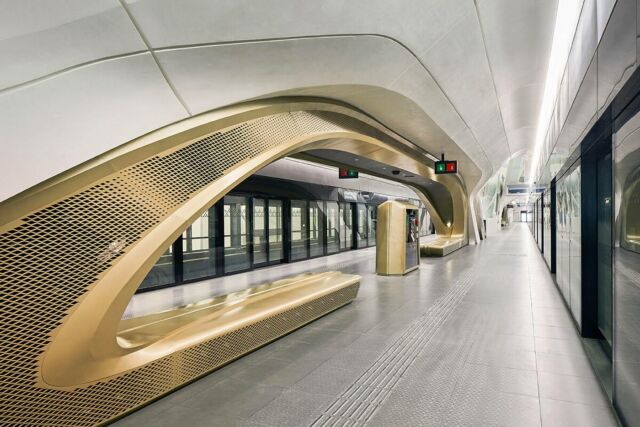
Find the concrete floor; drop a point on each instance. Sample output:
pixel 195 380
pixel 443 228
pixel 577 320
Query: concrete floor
pixel 480 337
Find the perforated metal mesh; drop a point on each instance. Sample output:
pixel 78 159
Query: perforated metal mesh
pixel 56 254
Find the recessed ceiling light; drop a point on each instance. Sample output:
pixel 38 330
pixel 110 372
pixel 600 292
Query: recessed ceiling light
pixel 356 159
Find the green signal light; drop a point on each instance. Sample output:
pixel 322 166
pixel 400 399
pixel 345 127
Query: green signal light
pixel 441 167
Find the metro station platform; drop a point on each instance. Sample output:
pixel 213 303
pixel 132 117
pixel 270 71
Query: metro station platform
pixel 481 337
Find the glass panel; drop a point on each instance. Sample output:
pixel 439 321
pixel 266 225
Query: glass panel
pixel 575 244
pixel 198 247
pixel 161 273
pixel 333 231
pixel 373 214
pixel 342 226
pixel 276 250
pixel 605 204
pixel 626 324
pixel 299 226
pixel 362 226
pixel 569 241
pixel 259 232
pixel 348 221
pixel 425 228
pixel 546 216
pixel 316 230
pixel 236 249
pixel 411 239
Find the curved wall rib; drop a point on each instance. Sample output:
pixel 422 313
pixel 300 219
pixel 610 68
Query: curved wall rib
pixel 75 248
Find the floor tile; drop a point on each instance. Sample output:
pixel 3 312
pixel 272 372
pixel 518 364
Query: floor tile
pixel 557 413
pixel 507 354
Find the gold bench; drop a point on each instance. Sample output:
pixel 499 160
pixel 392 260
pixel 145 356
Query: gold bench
pixel 441 246
pixel 303 298
pixel 207 335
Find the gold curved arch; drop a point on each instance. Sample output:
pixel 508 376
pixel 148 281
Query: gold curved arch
pixel 111 219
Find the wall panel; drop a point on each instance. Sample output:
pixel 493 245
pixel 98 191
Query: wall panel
pixel 626 337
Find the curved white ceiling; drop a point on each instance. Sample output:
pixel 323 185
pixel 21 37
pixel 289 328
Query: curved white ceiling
pixel 80 77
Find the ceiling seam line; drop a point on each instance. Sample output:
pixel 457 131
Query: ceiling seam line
pixel 155 58
pixel 65 70
pixel 320 36
pixel 493 80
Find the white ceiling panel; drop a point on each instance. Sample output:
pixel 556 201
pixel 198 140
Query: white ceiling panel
pixel 56 124
pixel 213 76
pixel 42 37
pixel 465 72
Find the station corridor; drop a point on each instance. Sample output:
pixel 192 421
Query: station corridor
pixel 479 338
pixel 332 213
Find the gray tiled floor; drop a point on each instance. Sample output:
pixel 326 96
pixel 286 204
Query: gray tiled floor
pixel 506 354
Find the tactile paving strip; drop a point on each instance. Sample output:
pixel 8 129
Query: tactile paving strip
pixel 358 403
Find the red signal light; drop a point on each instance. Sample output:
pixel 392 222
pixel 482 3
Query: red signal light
pixel 446 166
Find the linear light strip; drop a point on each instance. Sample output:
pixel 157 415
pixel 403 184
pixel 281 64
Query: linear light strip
pixel 567 17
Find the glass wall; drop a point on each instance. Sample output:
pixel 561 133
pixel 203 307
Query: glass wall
pixel 162 273
pixel 276 234
pixel 363 225
pixel 199 247
pixel 299 229
pixel 575 244
pixel 546 226
pixel 245 231
pixel 425 222
pixel 539 221
pixel 626 325
pixel 373 215
pixel 316 228
pixel 260 254
pixel 569 241
pixel 604 249
pixel 346 226
pixel 236 248
pixel 333 228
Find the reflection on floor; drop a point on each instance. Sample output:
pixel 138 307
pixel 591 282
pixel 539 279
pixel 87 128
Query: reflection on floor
pixel 480 337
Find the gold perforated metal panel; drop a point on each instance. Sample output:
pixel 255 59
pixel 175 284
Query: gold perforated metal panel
pixel 61 242
pixel 53 256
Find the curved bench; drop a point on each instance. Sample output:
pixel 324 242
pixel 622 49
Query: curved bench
pixel 298 299
pixel 441 246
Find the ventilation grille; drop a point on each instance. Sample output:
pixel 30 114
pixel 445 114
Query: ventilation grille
pixel 56 254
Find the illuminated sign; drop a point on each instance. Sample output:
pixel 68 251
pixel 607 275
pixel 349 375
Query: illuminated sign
pixel 446 166
pixel 347 173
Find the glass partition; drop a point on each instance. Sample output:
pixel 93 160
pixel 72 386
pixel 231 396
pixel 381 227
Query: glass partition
pixel 363 226
pixel 347 220
pixel 199 247
pixel 162 273
pixel 546 226
pixel 276 246
pixel 236 248
pixel 604 251
pixel 569 241
pixel 299 229
pixel 373 215
pixel 626 324
pixel 316 229
pixel 260 256
pixel 333 228
pixel 574 198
